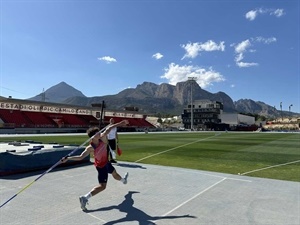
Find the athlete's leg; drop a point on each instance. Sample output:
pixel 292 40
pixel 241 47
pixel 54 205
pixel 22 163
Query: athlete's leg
pixel 102 179
pixel 116 175
pixel 98 189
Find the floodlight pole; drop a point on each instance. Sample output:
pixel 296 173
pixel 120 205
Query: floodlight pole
pixel 290 107
pixel 290 110
pixel 191 79
pixel 281 111
pixel 101 115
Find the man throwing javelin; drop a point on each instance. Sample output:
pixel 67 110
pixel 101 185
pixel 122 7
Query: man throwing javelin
pixel 98 146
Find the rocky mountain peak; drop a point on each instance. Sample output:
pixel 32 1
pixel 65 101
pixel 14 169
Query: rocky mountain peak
pixel 58 93
pixel 151 98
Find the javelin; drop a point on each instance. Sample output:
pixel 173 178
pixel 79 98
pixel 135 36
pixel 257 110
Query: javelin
pixel 51 168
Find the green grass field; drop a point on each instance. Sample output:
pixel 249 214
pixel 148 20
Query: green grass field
pixel 233 152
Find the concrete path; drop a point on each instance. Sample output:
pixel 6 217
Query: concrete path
pixel 154 195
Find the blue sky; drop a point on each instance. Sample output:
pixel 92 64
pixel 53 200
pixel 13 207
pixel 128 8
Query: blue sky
pixel 247 49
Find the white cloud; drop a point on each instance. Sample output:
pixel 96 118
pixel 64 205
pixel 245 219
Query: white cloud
pixel 239 57
pixel 243 47
pixel 238 60
pixel 240 49
pixel 278 12
pixel 252 14
pixel 107 59
pixel 193 49
pixel 265 40
pixel 205 77
pixel 232 85
pixel 157 55
pixel 245 64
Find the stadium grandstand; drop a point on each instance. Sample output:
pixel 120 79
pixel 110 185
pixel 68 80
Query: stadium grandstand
pixel 25 116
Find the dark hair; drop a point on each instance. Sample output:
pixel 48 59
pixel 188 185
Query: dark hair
pixel 92 131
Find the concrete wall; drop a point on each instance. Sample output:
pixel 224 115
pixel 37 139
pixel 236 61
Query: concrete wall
pixel 250 120
pixel 235 119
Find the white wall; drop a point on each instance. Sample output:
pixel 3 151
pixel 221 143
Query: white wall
pixel 246 119
pixel 229 118
pixel 235 119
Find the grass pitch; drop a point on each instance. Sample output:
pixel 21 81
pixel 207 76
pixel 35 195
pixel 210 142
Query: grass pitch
pixel 267 155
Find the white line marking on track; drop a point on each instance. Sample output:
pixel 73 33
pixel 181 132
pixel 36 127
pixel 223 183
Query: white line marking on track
pixel 173 149
pixel 97 218
pixel 195 196
pixel 228 178
pixel 269 167
pixel 219 176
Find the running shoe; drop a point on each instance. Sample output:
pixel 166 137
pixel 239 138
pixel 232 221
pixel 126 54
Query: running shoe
pixel 83 201
pixel 125 178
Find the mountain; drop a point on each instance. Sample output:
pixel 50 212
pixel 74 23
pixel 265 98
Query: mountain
pixel 151 98
pixel 250 106
pixel 58 93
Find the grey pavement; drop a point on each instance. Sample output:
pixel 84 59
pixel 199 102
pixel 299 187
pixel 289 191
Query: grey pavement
pixel 153 195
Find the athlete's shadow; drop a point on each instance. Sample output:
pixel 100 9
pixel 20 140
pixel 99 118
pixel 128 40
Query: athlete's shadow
pixel 130 165
pixel 134 214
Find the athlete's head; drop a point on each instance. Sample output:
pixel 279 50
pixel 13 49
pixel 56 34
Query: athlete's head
pixel 92 131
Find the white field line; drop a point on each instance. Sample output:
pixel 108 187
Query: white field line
pixel 236 179
pixel 101 220
pixel 269 167
pixel 171 149
pixel 195 196
pixel 198 172
pixel 219 176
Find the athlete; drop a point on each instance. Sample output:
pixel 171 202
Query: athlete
pixel 98 146
pixel 112 142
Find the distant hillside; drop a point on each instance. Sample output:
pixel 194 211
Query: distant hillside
pixel 58 93
pixel 151 98
pixel 250 106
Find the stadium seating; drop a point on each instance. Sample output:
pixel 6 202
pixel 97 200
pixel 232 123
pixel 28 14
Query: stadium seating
pixel 39 119
pixel 69 120
pixel 89 119
pixel 133 122
pixel 28 119
pixel 15 117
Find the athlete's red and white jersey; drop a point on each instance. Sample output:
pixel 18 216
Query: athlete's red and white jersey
pixel 100 154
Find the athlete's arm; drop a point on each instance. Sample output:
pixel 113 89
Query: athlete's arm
pixel 107 130
pixel 84 154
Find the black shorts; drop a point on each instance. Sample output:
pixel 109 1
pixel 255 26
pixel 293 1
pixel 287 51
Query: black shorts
pixel 104 171
pixel 113 144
